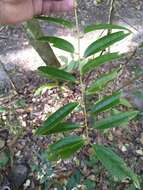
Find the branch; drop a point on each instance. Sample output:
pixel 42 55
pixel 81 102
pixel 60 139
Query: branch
pixel 34 31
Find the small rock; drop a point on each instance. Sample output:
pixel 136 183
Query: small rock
pixel 27 183
pixel 139 152
pixel 18 176
pixel 124 149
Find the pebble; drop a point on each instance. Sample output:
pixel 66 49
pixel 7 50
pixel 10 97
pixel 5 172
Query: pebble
pixel 139 152
pixel 27 183
pixel 124 149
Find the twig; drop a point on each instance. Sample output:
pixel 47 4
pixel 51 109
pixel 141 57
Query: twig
pixel 128 23
pixel 10 79
pixel 110 20
pixel 130 82
pixel 81 81
pixel 111 14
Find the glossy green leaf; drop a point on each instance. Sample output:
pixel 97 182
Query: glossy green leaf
pixel 114 164
pixel 65 147
pixel 102 82
pixel 104 26
pixel 56 118
pixel 42 89
pixel 57 74
pixel 59 21
pixel 58 43
pixel 95 63
pixel 106 103
pixel 104 42
pixel 62 127
pixel 115 120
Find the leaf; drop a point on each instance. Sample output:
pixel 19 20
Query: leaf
pixel 114 164
pixel 74 180
pixel 104 42
pixel 59 21
pixel 125 102
pixel 104 26
pixel 4 158
pixel 20 103
pixel 58 43
pixel 72 66
pixel 57 74
pixel 56 118
pixel 132 187
pixel 94 63
pixel 106 103
pixel 89 184
pixel 42 89
pixel 62 127
pixel 2 110
pixel 102 82
pixel 65 147
pixel 115 120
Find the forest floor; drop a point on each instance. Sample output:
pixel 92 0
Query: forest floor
pixel 28 167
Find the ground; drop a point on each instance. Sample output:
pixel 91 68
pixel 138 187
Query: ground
pixel 26 111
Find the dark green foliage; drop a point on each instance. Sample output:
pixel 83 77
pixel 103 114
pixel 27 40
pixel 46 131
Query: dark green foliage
pixel 68 145
pixel 58 43
pixel 56 118
pixel 57 74
pixel 105 26
pixel 114 164
pixel 104 42
pixel 116 120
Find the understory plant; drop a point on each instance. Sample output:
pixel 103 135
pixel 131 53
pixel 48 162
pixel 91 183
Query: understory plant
pixel 98 104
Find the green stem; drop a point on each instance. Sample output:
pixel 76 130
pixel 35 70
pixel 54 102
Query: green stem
pixel 82 86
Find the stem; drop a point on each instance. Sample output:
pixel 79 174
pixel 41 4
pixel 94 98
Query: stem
pixel 83 99
pixel 77 29
pixel 84 106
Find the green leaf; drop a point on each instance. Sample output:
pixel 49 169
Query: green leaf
pixel 114 164
pixel 106 103
pixel 132 187
pixel 89 184
pixel 59 21
pixel 42 89
pixel 56 118
pixel 3 110
pixel 4 158
pixel 74 180
pixel 104 42
pixel 58 43
pixel 72 66
pixel 65 147
pixel 62 127
pixel 115 120
pixel 57 74
pixel 94 63
pixel 125 102
pixel 102 82
pixel 104 26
